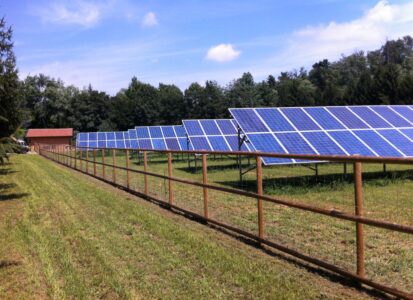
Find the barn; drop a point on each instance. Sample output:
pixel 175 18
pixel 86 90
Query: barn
pixel 52 137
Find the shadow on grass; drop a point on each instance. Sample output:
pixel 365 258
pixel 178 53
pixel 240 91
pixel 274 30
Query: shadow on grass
pixel 13 196
pixel 6 186
pixel 213 168
pixel 9 263
pixel 304 184
pixel 7 171
pixel 157 160
pixel 162 159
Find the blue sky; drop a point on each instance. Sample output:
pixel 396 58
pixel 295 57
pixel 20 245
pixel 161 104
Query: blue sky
pixel 105 43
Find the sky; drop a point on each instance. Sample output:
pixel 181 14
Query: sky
pixel 105 43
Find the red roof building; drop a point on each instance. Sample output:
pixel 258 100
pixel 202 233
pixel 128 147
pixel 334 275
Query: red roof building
pixel 51 138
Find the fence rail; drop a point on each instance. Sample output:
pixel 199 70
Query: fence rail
pixel 75 157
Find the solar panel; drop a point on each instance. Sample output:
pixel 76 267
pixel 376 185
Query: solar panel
pixel 117 139
pixel 127 139
pixel 81 139
pixel 213 135
pixel 161 137
pixel 133 139
pixel 102 139
pixel 378 130
pixel 110 140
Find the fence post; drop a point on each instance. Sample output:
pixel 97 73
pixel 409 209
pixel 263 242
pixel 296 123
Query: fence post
pixel 205 181
pixel 72 159
pixel 81 159
pixel 145 169
pixel 94 162
pixel 171 194
pixel 260 193
pixel 87 161
pixel 75 158
pixel 114 165
pixel 70 156
pixel 127 169
pixel 103 164
pixel 358 192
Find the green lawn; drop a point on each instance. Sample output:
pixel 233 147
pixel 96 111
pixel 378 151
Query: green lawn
pixel 65 235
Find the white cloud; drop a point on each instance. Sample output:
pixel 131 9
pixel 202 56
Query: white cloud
pixel 370 31
pixel 83 13
pixel 149 20
pixel 222 53
pixel 110 67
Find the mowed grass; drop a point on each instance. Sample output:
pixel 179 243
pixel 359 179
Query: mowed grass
pixel 65 235
pixel 387 196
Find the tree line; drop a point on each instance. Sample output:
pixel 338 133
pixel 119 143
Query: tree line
pixel 382 76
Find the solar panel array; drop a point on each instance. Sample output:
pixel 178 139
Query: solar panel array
pixel 337 130
pixel 385 131
pixel 213 135
pixel 118 139
pixel 161 137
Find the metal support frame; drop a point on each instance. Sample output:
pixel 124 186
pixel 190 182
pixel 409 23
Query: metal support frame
pixel 205 182
pixel 315 168
pixel 189 160
pixel 127 168
pixel 187 147
pixel 241 141
pixel 170 190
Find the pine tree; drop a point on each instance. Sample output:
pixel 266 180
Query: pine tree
pixel 10 115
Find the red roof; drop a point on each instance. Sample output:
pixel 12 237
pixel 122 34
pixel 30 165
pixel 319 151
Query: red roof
pixel 46 132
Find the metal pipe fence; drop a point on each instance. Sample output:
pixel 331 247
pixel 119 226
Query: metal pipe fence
pixel 76 158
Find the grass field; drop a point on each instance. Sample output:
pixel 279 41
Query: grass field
pixel 65 235
pixel 387 196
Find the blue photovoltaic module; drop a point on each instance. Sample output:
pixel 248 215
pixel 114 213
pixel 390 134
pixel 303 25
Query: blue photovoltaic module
pixel 377 130
pixel 117 139
pixel 213 135
pixel 161 137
